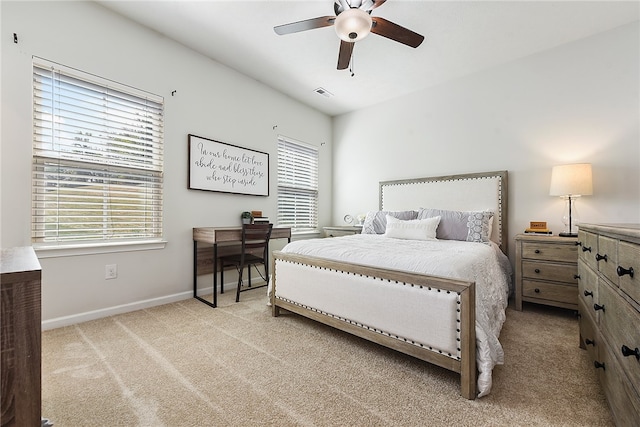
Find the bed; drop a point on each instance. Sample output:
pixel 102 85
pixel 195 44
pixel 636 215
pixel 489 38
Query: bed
pixel 422 289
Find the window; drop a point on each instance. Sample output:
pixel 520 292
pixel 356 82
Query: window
pixel 97 158
pixel 297 185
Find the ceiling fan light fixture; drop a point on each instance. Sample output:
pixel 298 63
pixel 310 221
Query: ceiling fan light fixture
pixel 353 25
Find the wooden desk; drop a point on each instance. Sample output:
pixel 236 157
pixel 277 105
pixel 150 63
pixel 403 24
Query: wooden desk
pixel 225 241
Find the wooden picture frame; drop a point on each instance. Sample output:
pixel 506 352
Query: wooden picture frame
pixel 227 168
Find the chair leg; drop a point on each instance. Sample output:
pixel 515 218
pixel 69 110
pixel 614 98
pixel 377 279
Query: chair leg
pixel 249 276
pixel 239 283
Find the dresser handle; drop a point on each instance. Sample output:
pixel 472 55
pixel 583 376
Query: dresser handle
pixel 588 294
pixel 537 270
pixel 626 351
pixel 622 271
pixel 587 341
pixel 578 243
pixel 585 249
pixel 597 307
pixel 576 276
pixel 537 251
pixel 601 257
pixel 599 365
pixel 536 290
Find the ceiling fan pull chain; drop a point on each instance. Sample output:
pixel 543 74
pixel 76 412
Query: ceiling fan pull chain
pixel 352 65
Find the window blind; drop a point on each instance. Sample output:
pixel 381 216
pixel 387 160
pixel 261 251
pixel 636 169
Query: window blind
pixel 97 171
pixel 297 185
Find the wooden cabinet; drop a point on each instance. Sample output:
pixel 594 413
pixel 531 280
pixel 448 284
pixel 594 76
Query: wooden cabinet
pixel 341 231
pixel 20 338
pixel 546 271
pixel 609 307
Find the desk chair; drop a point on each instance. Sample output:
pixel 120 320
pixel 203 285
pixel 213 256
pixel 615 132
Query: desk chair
pixel 255 250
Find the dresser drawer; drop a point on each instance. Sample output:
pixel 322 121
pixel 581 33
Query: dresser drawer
pixel 620 322
pixel 606 257
pixel 588 289
pixel 550 271
pixel 629 258
pixel 550 291
pixel 589 337
pixel 550 251
pixel 588 247
pixel 623 399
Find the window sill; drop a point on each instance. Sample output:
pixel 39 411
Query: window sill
pixel 56 251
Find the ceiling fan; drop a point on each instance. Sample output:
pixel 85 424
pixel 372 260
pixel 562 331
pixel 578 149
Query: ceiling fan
pixel 353 22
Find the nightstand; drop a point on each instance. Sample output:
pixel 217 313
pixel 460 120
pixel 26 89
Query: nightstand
pixel 547 270
pixel 341 231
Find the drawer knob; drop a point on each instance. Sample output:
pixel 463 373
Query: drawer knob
pixel 537 270
pixel 588 294
pixel 601 257
pixel 622 271
pixel 537 251
pixel 597 307
pixel 536 290
pixel 626 352
pixel 576 276
pixel 587 341
pixel 586 249
pixel 598 365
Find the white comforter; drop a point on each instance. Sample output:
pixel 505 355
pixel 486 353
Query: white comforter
pixel 483 264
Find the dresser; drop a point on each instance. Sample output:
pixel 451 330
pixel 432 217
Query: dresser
pixel 20 337
pixel 609 307
pixel 341 231
pixel 546 270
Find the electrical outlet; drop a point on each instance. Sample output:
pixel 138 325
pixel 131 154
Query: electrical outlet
pixel 111 271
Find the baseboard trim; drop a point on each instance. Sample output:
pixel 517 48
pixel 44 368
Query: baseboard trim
pixel 110 311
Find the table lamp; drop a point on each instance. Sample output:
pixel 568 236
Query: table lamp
pixel 571 182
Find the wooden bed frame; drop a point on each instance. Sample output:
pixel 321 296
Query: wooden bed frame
pixel 434 192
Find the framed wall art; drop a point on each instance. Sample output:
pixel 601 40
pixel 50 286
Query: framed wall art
pixel 226 168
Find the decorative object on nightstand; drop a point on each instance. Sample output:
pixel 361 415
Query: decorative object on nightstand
pixel 341 231
pixel 538 227
pixel 546 271
pixel 571 182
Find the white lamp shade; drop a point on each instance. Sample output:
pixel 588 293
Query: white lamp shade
pixel 353 24
pixel 571 180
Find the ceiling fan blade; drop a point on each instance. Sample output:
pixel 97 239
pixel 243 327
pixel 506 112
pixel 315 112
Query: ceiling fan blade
pixel 392 31
pixel 344 56
pixel 371 4
pixel 307 24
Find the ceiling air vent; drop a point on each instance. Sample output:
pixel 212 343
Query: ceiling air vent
pixel 323 92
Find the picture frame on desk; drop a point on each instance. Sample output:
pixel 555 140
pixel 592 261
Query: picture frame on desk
pixel 226 168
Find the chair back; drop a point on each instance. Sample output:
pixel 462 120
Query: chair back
pixel 256 236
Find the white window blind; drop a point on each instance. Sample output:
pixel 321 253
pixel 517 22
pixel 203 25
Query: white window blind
pixel 97 170
pixel 297 185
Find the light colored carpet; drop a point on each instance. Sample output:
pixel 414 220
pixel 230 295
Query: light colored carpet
pixel 186 364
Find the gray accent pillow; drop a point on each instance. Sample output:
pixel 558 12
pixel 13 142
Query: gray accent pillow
pixel 461 225
pixel 376 221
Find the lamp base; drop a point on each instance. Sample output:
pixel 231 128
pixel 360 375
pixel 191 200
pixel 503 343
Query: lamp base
pixel 568 234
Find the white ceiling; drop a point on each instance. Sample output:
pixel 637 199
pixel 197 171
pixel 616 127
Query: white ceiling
pixel 461 37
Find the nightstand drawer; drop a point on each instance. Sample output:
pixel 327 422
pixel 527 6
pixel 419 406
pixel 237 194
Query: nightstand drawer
pixel 550 271
pixel 550 251
pixel 341 231
pixel 550 292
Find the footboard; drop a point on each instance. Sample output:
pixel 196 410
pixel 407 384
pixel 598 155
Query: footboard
pixel 430 318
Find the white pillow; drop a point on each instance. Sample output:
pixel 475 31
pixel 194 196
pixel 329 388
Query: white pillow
pixel 414 229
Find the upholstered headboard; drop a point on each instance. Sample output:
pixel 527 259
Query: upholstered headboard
pixel 466 192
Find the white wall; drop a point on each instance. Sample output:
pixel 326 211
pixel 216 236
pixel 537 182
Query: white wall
pixel 575 103
pixel 211 101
